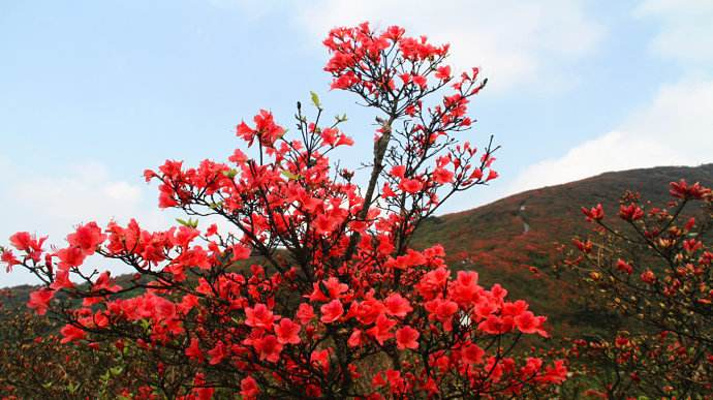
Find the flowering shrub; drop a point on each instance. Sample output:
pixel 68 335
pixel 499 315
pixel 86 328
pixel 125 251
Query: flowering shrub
pixel 653 267
pixel 36 365
pixel 311 289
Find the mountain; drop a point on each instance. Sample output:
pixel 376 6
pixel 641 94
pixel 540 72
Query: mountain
pixel 503 240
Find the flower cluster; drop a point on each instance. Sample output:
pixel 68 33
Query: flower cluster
pixel 310 289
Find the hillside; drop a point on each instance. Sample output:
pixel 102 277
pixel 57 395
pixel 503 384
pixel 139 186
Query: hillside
pixel 504 239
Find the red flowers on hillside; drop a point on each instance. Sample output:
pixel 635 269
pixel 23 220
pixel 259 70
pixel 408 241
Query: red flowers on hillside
pixel 312 290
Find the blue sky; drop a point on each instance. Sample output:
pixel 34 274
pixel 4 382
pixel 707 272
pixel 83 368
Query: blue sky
pixel 91 93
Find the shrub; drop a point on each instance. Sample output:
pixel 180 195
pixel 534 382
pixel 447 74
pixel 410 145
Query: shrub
pixel 309 289
pixel 652 265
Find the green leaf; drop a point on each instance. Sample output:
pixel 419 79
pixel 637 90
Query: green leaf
pixel 145 324
pixel 315 100
pixel 191 223
pixel 289 175
pixel 231 173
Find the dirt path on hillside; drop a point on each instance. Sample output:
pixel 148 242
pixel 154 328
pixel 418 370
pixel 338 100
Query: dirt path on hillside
pixel 521 214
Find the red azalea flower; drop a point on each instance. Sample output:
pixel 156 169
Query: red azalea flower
pixel 407 338
pixel 331 311
pixel 287 331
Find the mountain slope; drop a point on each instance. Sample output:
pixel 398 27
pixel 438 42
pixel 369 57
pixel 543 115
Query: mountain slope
pixel 505 239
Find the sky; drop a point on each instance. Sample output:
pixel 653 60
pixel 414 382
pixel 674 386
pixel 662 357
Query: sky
pixel 92 93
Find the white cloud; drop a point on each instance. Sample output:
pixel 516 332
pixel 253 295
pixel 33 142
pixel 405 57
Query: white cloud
pixel 86 192
pixel 675 129
pixel 686 30
pixel 122 191
pixel 517 43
